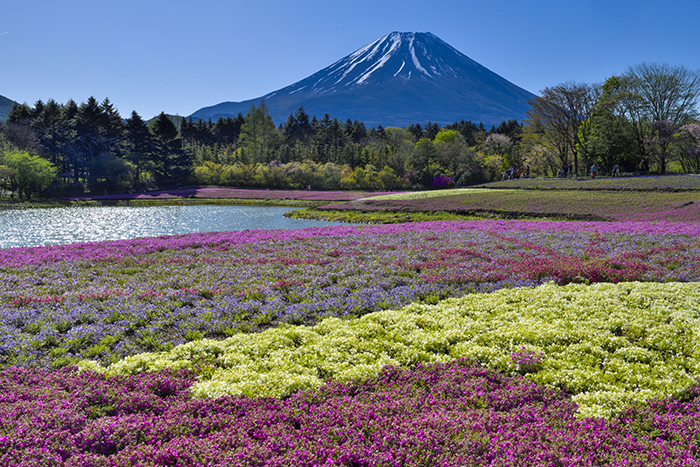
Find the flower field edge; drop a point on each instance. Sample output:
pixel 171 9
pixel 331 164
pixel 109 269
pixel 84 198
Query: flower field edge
pixel 192 287
pixel 116 249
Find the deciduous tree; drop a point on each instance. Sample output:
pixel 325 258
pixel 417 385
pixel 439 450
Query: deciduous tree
pixel 667 94
pixel 28 173
pixel 557 114
pixel 614 138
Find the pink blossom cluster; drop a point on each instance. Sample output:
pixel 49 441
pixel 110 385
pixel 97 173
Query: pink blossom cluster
pixel 456 414
pixel 106 301
pixel 238 193
pixel 122 249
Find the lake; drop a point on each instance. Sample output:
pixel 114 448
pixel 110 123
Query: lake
pixel 55 226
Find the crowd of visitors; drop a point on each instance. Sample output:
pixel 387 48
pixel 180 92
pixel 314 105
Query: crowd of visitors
pixel 512 173
pixel 567 171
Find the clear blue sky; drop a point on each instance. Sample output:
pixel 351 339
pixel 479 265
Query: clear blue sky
pixel 178 56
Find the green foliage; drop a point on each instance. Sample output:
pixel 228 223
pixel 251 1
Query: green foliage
pixel 446 136
pixel 97 151
pixel 611 137
pixel 258 135
pixel 26 173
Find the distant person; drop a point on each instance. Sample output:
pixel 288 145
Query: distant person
pixel 594 170
pixel 570 170
pixel 527 171
pixel 616 170
pixel 642 167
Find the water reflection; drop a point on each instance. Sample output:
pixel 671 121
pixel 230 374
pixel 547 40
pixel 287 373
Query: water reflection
pixel 34 227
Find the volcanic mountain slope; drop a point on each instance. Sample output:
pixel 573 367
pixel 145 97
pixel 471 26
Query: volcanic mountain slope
pixel 5 107
pixel 398 79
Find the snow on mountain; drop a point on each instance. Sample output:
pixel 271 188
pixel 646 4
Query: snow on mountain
pixel 398 79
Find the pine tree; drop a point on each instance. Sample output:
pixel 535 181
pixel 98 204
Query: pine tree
pixel 258 134
pixel 138 147
pixel 431 130
pixel 171 164
pixel 20 113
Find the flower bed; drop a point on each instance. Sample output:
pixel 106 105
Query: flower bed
pixel 687 182
pixel 434 415
pixel 110 300
pixel 607 345
pixel 560 356
pixel 236 193
pixel 621 206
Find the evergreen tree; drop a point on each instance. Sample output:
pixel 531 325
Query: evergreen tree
pixel 138 145
pixel 20 113
pixel 111 124
pixel 37 110
pixel 187 131
pixel 68 146
pixel 18 128
pixel 258 134
pixel 473 135
pixel 356 131
pixel 69 110
pixel 431 130
pixel 91 142
pixel 416 130
pixel 172 165
pixel 48 128
pixel 226 131
pixel 298 128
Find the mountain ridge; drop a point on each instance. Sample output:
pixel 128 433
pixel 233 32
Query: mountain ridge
pixel 398 79
pixel 5 107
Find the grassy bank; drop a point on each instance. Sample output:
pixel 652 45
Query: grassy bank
pixel 688 182
pixel 6 204
pixel 397 217
pixel 292 203
pixel 612 205
pixel 63 203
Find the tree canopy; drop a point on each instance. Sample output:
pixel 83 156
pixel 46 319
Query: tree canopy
pixel 646 117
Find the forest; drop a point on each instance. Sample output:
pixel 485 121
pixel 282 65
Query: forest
pixel 643 121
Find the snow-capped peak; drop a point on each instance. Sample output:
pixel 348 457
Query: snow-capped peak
pixel 401 78
pixel 413 55
pixel 397 55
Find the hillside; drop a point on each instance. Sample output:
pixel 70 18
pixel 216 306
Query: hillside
pixel 5 107
pixel 398 79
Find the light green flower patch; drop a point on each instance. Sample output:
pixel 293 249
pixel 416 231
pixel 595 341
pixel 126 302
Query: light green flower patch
pixel 428 194
pixel 607 344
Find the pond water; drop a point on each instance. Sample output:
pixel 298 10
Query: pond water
pixel 55 226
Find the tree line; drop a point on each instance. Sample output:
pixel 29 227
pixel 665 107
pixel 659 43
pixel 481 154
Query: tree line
pixel 643 121
pixel 646 116
pixel 89 148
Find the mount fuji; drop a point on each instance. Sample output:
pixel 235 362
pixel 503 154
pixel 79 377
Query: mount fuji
pixel 399 79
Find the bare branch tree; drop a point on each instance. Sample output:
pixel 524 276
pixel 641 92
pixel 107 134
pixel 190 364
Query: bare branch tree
pixel 667 92
pixel 558 114
pixel 667 96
